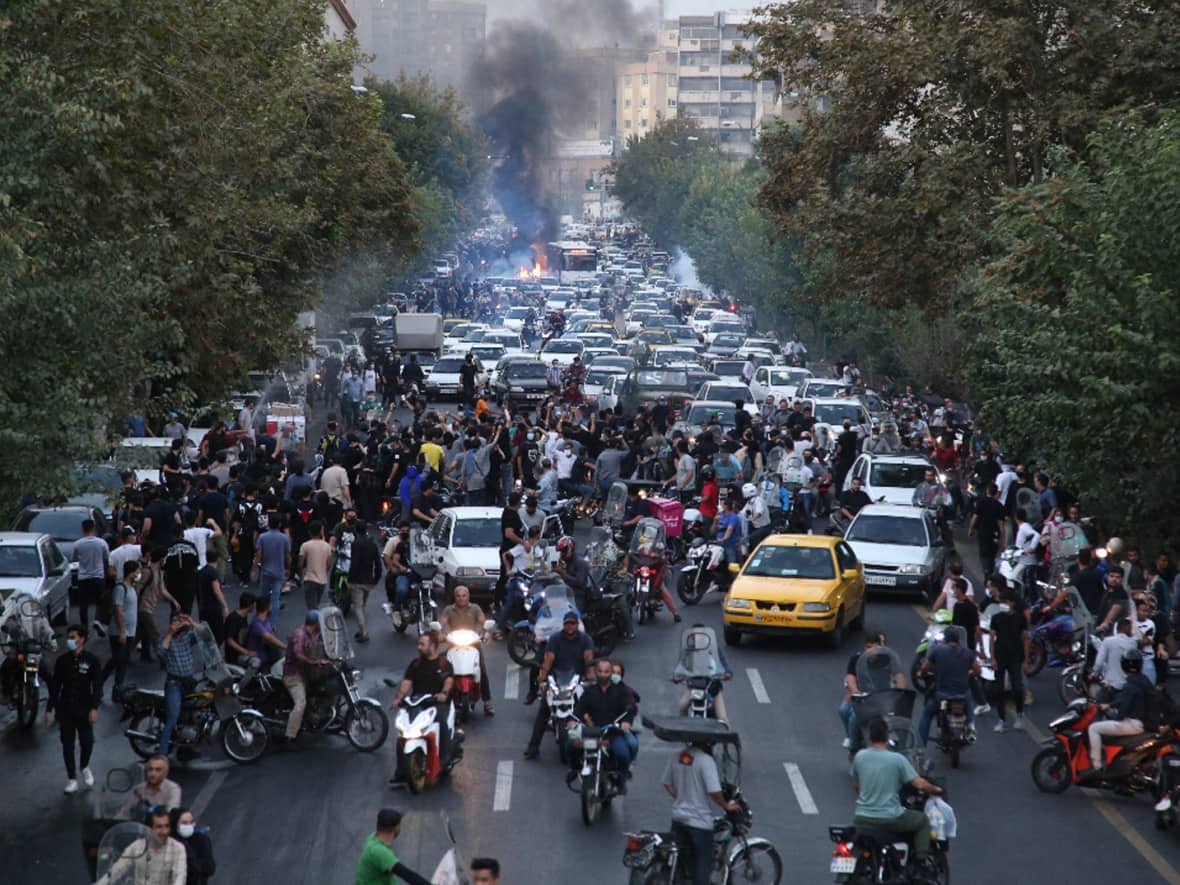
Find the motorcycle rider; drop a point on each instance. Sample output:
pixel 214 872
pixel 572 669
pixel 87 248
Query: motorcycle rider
pixel 878 774
pixel 177 650
pixel 570 651
pixel 655 556
pixel 465 615
pixel 726 675
pixel 756 514
pixel 601 704
pixel 305 651
pixel 429 673
pixel 953 665
pixel 396 557
pixel 16 627
pixel 692 780
pixel 932 495
pixel 1108 662
pixel 1130 706
pixel 877 668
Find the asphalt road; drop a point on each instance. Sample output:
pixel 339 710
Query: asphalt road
pixel 300 817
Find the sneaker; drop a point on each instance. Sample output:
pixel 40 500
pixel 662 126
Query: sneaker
pixel 1019 723
pixel 621 787
pixel 387 608
pixel 488 710
pixel 1028 697
pixel 88 777
pixel 397 618
pixel 983 709
pixel 1001 727
pixel 676 617
pixel 71 787
pixel 99 628
pixel 846 744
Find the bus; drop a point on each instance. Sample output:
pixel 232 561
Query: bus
pixel 575 262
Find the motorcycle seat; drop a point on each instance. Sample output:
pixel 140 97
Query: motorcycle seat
pixel 880 836
pixel 1122 740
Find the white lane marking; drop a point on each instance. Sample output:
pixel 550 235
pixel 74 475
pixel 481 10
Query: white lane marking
pixel 503 798
pixel 512 681
pixel 757 685
pixel 802 794
pixel 206 795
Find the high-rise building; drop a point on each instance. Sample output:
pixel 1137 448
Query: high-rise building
pixel 435 37
pixel 646 92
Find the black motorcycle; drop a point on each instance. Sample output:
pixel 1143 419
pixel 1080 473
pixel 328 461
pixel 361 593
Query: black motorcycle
pixel 953 731
pixel 865 855
pixel 419 606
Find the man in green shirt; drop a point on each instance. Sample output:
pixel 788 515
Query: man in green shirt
pixel 878 774
pixel 378 864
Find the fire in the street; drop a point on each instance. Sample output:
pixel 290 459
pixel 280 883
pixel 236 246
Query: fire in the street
pixel 530 274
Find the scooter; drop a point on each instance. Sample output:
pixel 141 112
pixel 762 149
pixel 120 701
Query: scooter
pixel 562 692
pixel 463 657
pixel 645 602
pixel 419 760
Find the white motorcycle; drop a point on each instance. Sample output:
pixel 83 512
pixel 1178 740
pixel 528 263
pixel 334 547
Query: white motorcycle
pixel 420 760
pixel 562 692
pixel 463 656
pixel 706 570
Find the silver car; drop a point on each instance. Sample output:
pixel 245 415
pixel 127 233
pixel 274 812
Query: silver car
pixel 30 562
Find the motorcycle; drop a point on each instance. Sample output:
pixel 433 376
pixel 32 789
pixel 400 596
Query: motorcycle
pixel 525 638
pixel 211 709
pixel 562 691
pixel 939 622
pixel 647 554
pixel 27 631
pixel 655 856
pixel 419 760
pixel 706 570
pixel 953 734
pixel 419 606
pixel 597 783
pixel 334 702
pixel 865 855
pixel 700 666
pixel 463 657
pixel 122 855
pixel 1131 761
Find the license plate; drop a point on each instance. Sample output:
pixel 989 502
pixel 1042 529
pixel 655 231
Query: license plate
pixel 843 864
pixel 772 619
pixel 881 580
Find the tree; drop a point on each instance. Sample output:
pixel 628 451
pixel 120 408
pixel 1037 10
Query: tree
pixel 176 179
pixel 1077 332
pixel 921 115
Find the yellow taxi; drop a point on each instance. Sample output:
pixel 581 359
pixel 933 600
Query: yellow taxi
pixel 796 585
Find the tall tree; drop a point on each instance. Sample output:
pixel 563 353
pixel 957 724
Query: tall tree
pixel 921 115
pixel 1077 332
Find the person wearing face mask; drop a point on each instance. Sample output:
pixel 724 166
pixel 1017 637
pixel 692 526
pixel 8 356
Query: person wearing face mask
pixel 157 859
pixel 74 694
pixel 198 847
pixel 601 704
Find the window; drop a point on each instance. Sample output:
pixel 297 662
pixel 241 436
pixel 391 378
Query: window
pixel 626 124
pixel 643 123
pixel 805 563
pixel 845 557
pixel 643 80
pixel 671 102
pixel 626 103
pixel 627 81
pixel 673 79
pixel 643 102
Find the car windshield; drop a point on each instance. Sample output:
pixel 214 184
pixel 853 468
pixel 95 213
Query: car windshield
pixel 808 563
pixel 448 366
pixel 666 357
pixel 906 476
pixel 486 353
pixel 728 340
pixel 730 391
pixel 728 368
pixel 475 335
pixel 784 377
pixel 478 531
pixel 517 313
pixel 526 370
pixel 824 388
pixel 61 525
pixel 20 562
pixel 834 413
pixel 668 378
pixel 459 331
pixel 560 346
pixel 903 531
pixel 598 379
pixel 703 414
pixel 619 362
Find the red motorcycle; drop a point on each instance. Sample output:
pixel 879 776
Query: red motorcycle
pixel 1131 761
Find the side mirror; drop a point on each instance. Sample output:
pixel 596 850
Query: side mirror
pixel 734 568
pixel 850 574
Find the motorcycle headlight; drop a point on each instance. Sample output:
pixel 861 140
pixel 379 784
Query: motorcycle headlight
pixel 738 602
pixel 356 675
pixel 470 572
pixel 816 607
pixel 913 569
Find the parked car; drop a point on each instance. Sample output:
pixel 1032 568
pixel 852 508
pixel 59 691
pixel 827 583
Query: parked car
pixel 62 524
pixel 901 548
pixel 563 350
pixel 31 562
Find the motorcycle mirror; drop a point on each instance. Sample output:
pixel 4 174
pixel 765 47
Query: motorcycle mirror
pixel 489 625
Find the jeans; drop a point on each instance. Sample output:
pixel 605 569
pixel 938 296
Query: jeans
pixel 313 592
pixel 120 655
pixel 505 482
pixel 511 601
pixel 620 756
pixel 1015 671
pixel 807 502
pixel 71 727
pixel 845 713
pixel 913 824
pixel 272 585
pixel 931 709
pixel 696 847
pixel 173 698
pixel 92 591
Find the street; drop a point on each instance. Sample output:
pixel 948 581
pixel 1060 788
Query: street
pixel 300 817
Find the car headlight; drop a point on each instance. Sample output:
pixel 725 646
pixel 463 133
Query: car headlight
pixel 913 569
pixel 738 602
pixel 469 572
pixel 816 607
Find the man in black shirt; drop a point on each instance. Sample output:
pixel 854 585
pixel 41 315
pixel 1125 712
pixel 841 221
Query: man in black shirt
pixel 236 625
pixel 601 704
pixel 467 381
pixel 74 694
pixel 1009 631
pixel 853 500
pixel 511 533
pixel 181 564
pixel 160 517
pixel 426 506
pixel 1086 580
pixel 211 605
pixel 567 653
pixel 847 444
pixel 988 522
pixel 429 673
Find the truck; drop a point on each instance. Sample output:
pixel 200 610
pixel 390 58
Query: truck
pixel 419 332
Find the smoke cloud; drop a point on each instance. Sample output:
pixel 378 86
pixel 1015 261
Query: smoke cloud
pixel 528 86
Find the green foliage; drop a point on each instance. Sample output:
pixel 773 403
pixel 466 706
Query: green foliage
pixel 1077 332
pixel 176 179
pixel 922 115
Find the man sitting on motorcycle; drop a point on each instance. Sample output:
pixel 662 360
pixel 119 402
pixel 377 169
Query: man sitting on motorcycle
pixel 604 703
pixel 1128 709
pixel 19 625
pixel 953 665
pixel 569 652
pixel 463 614
pixel 429 673
pixel 654 555
pixel 878 775
pixel 305 652
pixel 725 675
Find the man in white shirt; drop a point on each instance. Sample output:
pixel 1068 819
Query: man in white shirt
pixel 1027 540
pixel 1004 482
pixel 125 552
pixel 199 535
pixel 334 483
pixel 748 370
pixel 1109 662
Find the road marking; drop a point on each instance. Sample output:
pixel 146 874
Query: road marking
pixel 757 685
pixel 512 681
pixel 802 794
pixel 206 795
pixel 1168 873
pixel 503 798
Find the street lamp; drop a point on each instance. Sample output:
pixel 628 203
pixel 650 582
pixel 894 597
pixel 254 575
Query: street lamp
pixel 407 116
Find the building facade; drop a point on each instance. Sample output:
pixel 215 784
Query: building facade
pixel 413 37
pixel 646 92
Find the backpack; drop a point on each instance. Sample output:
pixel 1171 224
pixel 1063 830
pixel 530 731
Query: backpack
pixel 252 517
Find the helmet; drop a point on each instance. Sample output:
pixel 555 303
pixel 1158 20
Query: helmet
pixel 564 543
pixel 1132 661
pixel 1115 546
pixel 707 472
pixel 749 490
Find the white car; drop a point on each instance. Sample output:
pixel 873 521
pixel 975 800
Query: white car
pixel 594 339
pixel 510 341
pixel 30 562
pixel 595 383
pixel 777 381
pixel 700 319
pixel 463 546
pixel 901 548
pixel 514 319
pixel 670 355
pixel 590 354
pixel 488 355
pixel 825 387
pixel 829 416
pixel 728 391
pixel 889 478
pixel 635 321
pixel 459 333
pixel 563 350
pixel 724 324
pixel 443 377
